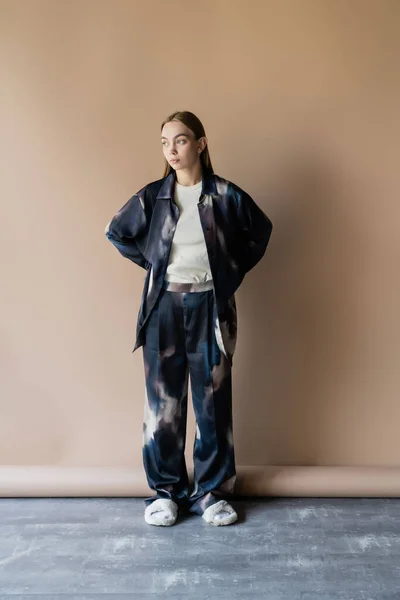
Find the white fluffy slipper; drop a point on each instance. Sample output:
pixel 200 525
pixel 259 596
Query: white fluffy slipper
pixel 220 513
pixel 162 511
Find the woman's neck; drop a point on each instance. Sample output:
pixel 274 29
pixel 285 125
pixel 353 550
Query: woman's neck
pixel 189 176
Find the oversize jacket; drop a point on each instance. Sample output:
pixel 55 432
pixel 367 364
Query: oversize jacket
pixel 236 233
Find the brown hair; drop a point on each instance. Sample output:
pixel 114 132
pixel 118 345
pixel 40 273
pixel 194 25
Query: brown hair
pixel 190 120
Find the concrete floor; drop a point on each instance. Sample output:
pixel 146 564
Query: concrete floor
pixel 280 549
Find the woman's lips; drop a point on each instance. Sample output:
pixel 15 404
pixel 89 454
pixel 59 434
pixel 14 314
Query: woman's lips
pixel 174 160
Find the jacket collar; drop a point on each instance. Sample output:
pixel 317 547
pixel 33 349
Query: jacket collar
pixel 208 188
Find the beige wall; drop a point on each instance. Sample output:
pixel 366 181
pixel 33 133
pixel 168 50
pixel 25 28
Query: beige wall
pixel 300 101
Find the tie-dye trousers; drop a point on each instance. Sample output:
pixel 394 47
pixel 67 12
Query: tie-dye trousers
pixel 180 343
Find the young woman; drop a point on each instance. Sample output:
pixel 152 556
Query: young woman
pixel 197 235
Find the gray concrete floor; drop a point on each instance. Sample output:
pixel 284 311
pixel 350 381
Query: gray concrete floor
pixel 280 549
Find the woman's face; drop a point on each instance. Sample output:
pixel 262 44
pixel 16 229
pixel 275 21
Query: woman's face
pixel 180 148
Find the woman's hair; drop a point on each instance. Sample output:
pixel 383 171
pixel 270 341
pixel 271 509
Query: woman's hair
pixel 190 120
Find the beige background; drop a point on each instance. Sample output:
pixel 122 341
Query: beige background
pixel 300 100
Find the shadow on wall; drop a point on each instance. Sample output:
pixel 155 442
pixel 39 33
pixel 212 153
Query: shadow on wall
pixel 296 318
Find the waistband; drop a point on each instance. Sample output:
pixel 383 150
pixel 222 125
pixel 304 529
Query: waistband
pixel 176 286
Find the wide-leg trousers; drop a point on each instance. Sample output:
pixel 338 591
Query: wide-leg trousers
pixel 180 343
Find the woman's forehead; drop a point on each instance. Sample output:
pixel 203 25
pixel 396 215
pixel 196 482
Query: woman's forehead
pixel 174 128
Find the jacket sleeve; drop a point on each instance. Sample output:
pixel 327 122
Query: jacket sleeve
pixel 125 229
pixel 256 230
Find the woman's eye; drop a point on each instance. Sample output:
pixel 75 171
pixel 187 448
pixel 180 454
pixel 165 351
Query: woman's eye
pixel 164 143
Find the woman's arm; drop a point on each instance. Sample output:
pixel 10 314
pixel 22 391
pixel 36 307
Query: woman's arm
pixel 126 227
pixel 255 229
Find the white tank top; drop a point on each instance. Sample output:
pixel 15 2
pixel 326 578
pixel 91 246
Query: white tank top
pixel 188 260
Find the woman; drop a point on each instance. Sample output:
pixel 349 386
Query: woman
pixel 197 235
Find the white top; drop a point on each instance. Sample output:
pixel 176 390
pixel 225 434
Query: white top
pixel 188 260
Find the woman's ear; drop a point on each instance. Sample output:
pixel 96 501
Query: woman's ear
pixel 202 144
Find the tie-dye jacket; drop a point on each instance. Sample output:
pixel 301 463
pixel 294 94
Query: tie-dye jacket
pixel 236 233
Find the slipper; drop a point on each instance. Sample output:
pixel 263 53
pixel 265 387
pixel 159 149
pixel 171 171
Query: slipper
pixel 220 513
pixel 162 511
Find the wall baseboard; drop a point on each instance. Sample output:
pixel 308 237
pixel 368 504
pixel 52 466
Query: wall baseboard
pixel 301 481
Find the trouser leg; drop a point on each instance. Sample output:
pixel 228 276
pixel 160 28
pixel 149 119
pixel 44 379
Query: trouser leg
pixel 211 386
pixel 165 415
